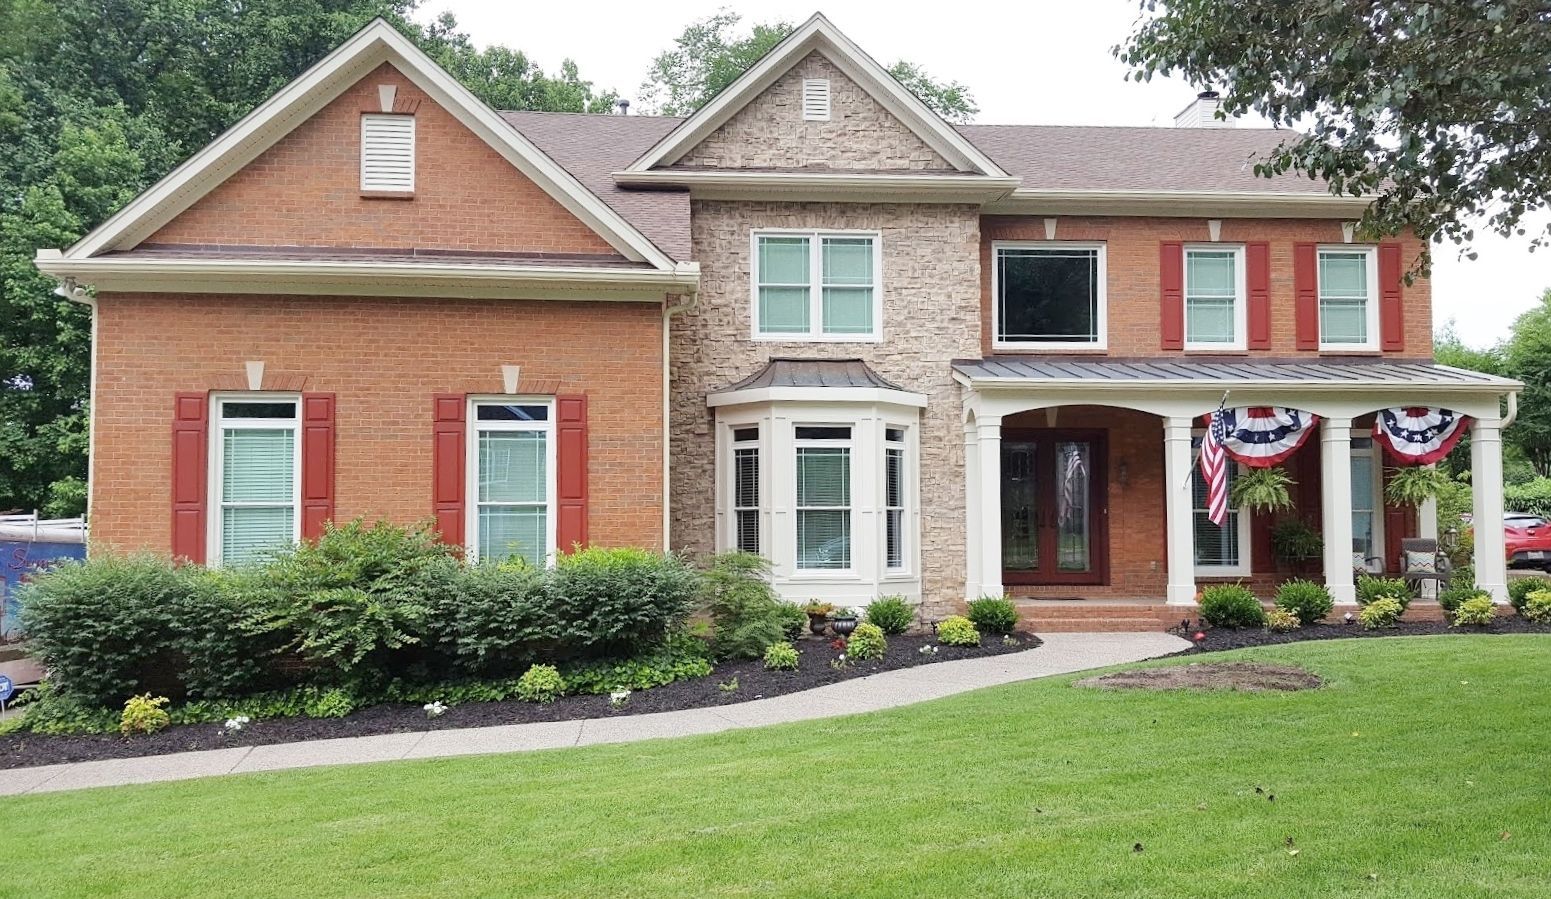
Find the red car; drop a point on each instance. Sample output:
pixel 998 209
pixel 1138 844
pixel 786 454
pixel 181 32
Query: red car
pixel 1528 540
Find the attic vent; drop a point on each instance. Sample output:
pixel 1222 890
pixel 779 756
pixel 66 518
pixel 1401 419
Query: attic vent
pixel 815 99
pixel 388 153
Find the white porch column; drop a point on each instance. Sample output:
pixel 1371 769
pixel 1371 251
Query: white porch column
pixel 989 434
pixel 971 512
pixel 1336 507
pixel 1427 526
pixel 1178 520
pixel 1486 484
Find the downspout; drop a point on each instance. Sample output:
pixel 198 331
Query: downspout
pixel 71 290
pixel 1513 411
pixel 669 309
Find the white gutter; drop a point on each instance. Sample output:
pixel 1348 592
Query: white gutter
pixel 668 311
pixel 1513 410
pixel 1247 203
pixel 1169 384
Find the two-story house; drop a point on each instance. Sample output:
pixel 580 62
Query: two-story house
pixel 812 320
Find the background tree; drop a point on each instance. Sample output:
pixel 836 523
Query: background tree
pixel 1527 358
pixel 710 54
pixel 1441 111
pixel 98 100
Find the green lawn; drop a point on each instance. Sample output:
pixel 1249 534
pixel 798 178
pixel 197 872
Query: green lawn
pixel 1423 768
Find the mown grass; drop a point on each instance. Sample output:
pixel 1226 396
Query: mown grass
pixel 1420 769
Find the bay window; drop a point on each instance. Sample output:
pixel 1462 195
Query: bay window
pixel 256 464
pixel 817 286
pixel 1049 295
pixel 512 463
pixel 1348 298
pixel 1214 297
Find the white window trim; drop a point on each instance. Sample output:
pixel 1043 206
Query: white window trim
pixel 1101 327
pixel 1372 252
pixel 1240 299
pixel 902 446
pixel 760 506
pixel 815 332
pixel 217 448
pixel 1376 459
pixel 850 445
pixel 414 152
pixel 471 465
pixel 1246 552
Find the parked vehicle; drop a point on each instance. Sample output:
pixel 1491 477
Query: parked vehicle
pixel 1527 539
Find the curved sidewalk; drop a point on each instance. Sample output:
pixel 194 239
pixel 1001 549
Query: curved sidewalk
pixel 1060 654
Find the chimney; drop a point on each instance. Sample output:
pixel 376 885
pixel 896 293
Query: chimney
pixel 624 107
pixel 1202 113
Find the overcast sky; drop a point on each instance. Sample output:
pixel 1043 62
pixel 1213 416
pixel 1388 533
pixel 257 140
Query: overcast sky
pixel 1041 62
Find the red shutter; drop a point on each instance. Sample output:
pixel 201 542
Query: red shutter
pixel 1171 279
pixel 317 463
pixel 1391 312
pixel 1257 264
pixel 1306 295
pixel 448 462
pixel 190 449
pixel 571 472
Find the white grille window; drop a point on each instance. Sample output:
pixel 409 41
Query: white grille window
pixel 745 488
pixel 256 461
pixel 815 99
pixel 894 498
pixel 388 153
pixel 823 497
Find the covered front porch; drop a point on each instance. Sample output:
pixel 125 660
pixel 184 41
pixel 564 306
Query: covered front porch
pixel 1082 484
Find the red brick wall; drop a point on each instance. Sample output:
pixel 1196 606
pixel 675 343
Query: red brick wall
pixel 306 190
pixel 1132 259
pixel 384 358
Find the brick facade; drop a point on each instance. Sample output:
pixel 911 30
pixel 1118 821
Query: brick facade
pixel 306 190
pixel 1131 254
pixel 384 359
pixel 770 131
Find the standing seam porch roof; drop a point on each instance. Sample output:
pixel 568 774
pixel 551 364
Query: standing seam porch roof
pixel 1152 372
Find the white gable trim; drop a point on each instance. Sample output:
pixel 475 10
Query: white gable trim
pixel 372 46
pixel 819 34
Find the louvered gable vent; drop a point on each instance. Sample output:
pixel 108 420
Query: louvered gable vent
pixel 815 99
pixel 388 153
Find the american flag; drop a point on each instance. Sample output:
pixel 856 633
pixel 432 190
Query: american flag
pixel 1214 467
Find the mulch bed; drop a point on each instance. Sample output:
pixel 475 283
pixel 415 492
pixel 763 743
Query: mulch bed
pixel 754 682
pixel 1218 639
pixel 1253 677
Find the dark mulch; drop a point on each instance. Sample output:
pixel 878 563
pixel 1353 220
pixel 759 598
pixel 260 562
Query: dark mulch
pixel 1220 639
pixel 753 682
pixel 1252 677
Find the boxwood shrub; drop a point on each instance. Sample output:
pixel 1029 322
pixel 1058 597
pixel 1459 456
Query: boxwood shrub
pixel 1231 605
pixel 1305 599
pixel 993 614
pixel 892 614
pixel 1519 590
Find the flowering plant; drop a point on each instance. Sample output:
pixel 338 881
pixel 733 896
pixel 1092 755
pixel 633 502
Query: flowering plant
pixel 434 709
pixel 619 697
pixel 233 725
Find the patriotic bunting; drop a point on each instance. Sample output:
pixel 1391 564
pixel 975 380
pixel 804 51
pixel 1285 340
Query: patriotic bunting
pixel 1418 435
pixel 1263 436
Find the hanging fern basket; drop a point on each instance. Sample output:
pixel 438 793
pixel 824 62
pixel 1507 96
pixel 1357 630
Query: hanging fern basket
pixel 1262 490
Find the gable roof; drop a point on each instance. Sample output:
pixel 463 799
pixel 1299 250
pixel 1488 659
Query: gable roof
pixel 373 45
pixel 819 34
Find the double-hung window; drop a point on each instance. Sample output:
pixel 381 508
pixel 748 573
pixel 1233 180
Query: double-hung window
pixel 894 498
pixel 745 488
pixel 256 459
pixel 1348 298
pixel 1219 551
pixel 512 459
pixel 1214 298
pixel 816 286
pixel 823 497
pixel 1049 295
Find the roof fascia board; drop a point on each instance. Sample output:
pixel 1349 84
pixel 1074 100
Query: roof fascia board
pixel 256 132
pixel 735 184
pixel 818 33
pixel 1232 204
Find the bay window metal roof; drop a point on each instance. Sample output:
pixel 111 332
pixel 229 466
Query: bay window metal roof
pixel 781 372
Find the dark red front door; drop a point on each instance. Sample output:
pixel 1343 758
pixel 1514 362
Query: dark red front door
pixel 1055 527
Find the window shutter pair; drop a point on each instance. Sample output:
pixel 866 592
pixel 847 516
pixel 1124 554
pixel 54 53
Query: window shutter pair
pixel 191 472
pixel 449 462
pixel 1257 278
pixel 1306 292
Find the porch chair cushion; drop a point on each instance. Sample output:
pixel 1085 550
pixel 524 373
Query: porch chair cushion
pixel 1421 562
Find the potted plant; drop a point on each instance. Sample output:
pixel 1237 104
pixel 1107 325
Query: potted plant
pixel 818 616
pixel 843 621
pixel 1414 485
pixel 1262 490
pixel 1295 543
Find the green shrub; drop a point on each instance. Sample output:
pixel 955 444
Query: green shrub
pixel 1382 611
pixel 1519 590
pixel 1294 541
pixel 680 657
pixel 620 601
pixel 1305 599
pixel 1455 595
pixel 1372 587
pixel 1282 620
pixel 488 618
pixel 994 614
pixel 1537 607
pixel 781 657
pixel 1231 605
pixel 956 630
pixel 51 711
pixel 220 656
pixel 891 614
pixel 866 642
pixel 335 703
pixel 144 715
pixel 793 620
pixel 1532 496
pixel 745 611
pixel 1475 612
pixel 541 683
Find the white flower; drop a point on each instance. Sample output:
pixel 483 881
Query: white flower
pixel 235 724
pixel 434 709
pixel 619 697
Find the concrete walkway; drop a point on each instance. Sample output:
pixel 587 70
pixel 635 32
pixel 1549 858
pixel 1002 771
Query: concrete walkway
pixel 1062 653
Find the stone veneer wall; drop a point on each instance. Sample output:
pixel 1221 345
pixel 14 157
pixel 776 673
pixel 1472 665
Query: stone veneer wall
pixel 770 131
pixel 931 276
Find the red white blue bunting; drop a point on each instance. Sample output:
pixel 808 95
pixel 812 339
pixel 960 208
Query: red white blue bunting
pixel 1263 436
pixel 1418 435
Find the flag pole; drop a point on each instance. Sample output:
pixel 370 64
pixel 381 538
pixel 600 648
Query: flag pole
pixel 1195 460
